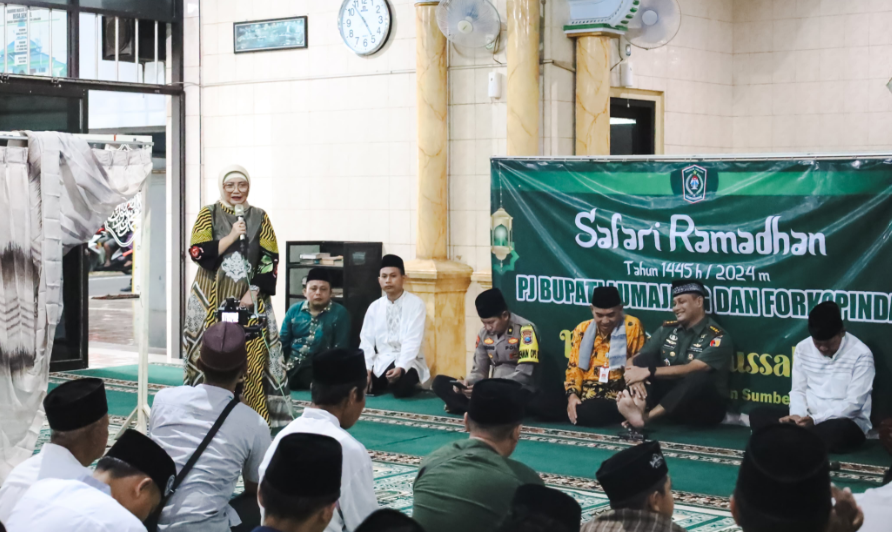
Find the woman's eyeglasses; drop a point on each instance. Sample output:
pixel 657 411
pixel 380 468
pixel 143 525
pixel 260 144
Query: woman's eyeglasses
pixel 231 186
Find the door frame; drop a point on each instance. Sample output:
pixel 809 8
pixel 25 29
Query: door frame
pixel 657 97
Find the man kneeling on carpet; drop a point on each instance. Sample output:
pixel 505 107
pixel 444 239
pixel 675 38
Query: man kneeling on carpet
pixel 132 479
pixel 833 375
pixel 637 483
pixel 184 415
pixel 392 333
pixel 598 355
pixel 77 413
pixel 507 348
pixel 468 485
pixel 682 371
pixel 312 326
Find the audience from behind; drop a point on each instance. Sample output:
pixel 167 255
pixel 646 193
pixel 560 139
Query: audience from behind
pixel 876 504
pixel 468 485
pixel 184 415
pixel 136 474
pixel 338 393
pixel 539 508
pixel 637 483
pixel 77 413
pixel 392 334
pixel 313 325
pixel 302 485
pixel 784 485
pixel 833 374
pixel 384 520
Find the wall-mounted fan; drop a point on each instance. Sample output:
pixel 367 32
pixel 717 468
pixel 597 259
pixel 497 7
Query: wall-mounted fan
pixel 471 23
pixel 655 23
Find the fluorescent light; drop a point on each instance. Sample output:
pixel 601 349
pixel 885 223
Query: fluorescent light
pixel 621 120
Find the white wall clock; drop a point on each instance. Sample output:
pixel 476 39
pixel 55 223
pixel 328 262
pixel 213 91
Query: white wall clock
pixel 364 25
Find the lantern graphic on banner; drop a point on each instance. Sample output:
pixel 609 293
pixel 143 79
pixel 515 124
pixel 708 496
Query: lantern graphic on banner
pixel 502 239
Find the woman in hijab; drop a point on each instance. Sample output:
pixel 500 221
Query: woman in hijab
pixel 246 270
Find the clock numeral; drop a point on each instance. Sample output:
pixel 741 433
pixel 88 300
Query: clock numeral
pixel 373 39
pixel 380 20
pixel 378 9
pixel 351 12
pixel 365 42
pixel 379 31
pixel 351 33
pixel 349 23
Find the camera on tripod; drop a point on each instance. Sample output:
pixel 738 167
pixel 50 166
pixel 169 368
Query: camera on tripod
pixel 231 311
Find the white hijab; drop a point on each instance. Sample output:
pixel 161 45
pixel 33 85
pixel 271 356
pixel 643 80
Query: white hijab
pixel 230 171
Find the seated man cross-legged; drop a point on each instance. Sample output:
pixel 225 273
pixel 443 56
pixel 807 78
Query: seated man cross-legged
pixel 600 348
pixel 507 348
pixel 682 371
pixel 313 326
pixel 392 334
pixel 833 374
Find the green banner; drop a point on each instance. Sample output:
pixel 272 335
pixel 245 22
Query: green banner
pixel 769 239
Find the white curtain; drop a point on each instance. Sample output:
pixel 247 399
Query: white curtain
pixel 54 195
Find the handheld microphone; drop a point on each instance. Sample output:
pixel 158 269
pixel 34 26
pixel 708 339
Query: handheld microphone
pixel 239 212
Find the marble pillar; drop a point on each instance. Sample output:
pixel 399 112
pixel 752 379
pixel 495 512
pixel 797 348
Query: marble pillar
pixel 593 95
pixel 441 283
pixel 523 77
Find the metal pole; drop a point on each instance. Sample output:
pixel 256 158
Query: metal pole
pixel 5 42
pixel 136 47
pixel 51 42
pixel 28 40
pixel 155 81
pixel 117 65
pixel 98 19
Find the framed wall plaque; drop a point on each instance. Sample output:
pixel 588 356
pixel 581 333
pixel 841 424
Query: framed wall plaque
pixel 275 34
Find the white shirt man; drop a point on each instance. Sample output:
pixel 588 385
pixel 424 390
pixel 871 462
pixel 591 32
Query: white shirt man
pixel 181 417
pixel 833 376
pixel 58 505
pixel 77 412
pixel 339 378
pixel 357 476
pixel 392 334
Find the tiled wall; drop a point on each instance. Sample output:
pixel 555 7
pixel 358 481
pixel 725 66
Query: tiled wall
pixel 330 137
pixel 810 75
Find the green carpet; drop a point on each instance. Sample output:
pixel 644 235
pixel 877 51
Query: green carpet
pixel 701 461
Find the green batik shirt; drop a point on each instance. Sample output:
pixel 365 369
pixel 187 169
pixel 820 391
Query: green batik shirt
pixel 706 342
pixel 467 486
pixel 303 335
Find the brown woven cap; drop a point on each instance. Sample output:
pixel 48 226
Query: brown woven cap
pixel 223 347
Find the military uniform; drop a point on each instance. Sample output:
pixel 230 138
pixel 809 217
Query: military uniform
pixel 697 398
pixel 513 355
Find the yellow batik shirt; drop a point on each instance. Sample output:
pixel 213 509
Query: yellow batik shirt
pixel 585 383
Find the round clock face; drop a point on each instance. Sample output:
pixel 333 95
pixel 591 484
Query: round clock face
pixel 364 25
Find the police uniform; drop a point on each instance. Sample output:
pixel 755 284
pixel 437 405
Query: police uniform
pixel 513 354
pixel 697 398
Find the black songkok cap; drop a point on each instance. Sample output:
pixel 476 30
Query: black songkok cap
pixel 606 297
pixel 551 503
pixel 392 260
pixel 339 366
pixel 306 465
pixel 632 471
pixel 491 303
pixel 497 402
pixel 389 520
pixel 785 474
pixel 75 404
pixel 688 286
pixel 223 347
pixel 142 453
pixel 318 274
pixel 825 321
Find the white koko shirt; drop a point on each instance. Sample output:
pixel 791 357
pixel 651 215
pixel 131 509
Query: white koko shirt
pixel 358 499
pixel 71 506
pixel 392 333
pixel 827 388
pixel 52 462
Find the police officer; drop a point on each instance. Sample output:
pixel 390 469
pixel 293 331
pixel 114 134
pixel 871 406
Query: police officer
pixel 682 371
pixel 507 348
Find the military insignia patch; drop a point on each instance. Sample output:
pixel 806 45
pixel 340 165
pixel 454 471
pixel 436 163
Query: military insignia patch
pixel 512 340
pixel 488 341
pixel 478 342
pixel 690 356
pixel 529 346
pixel 716 342
pixel 693 181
